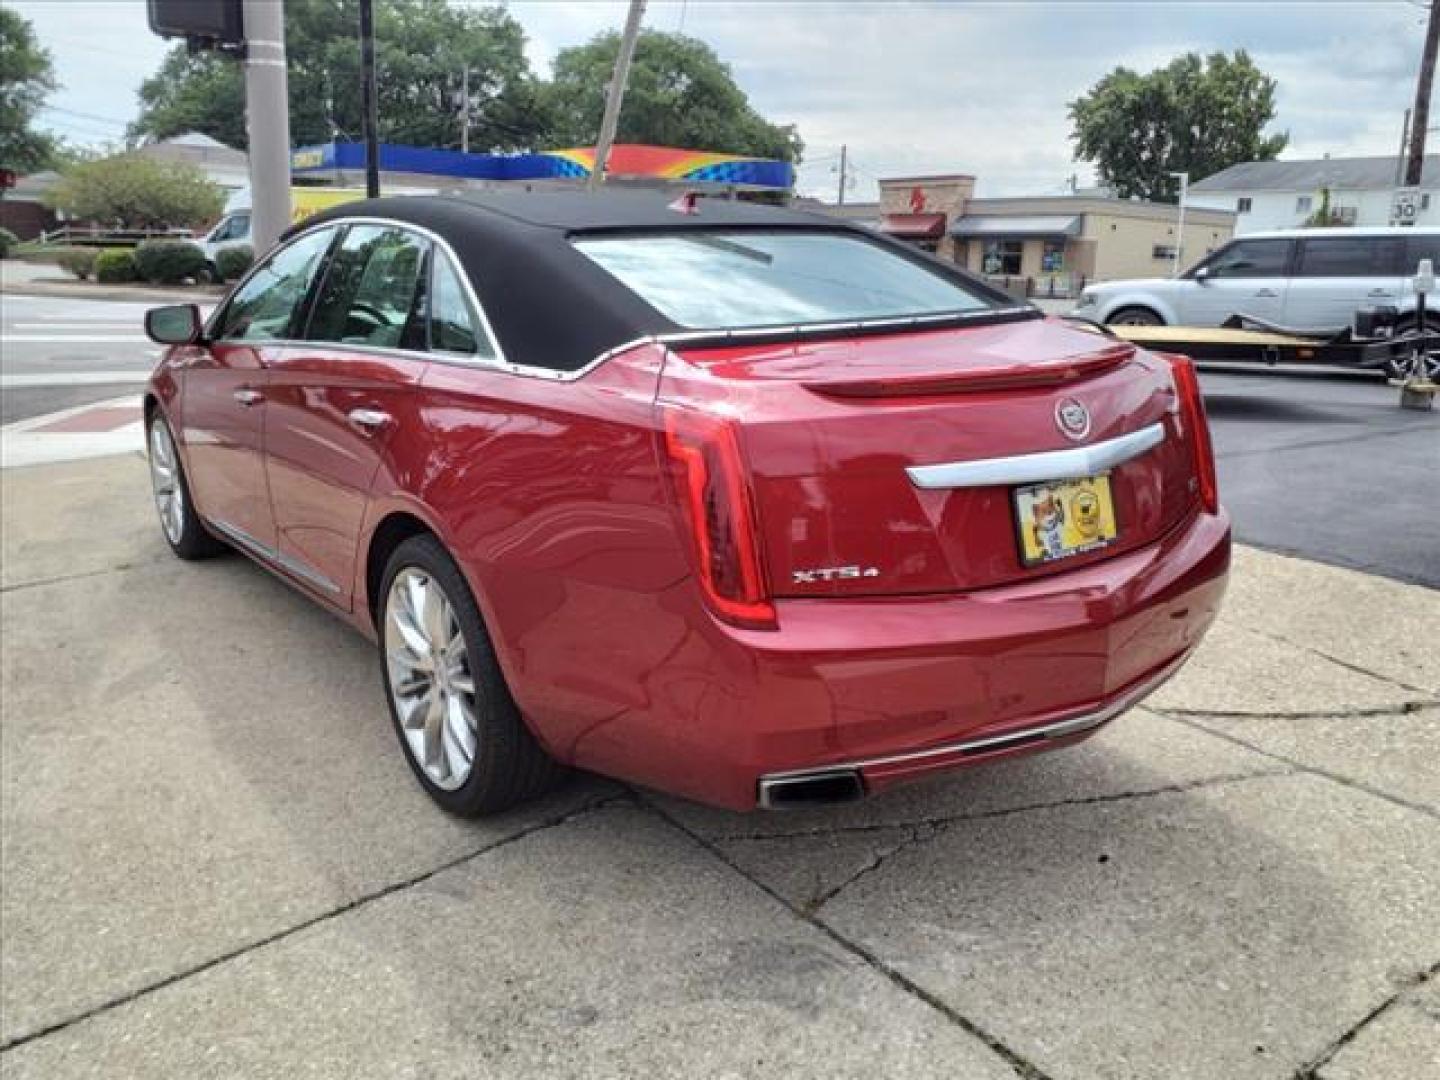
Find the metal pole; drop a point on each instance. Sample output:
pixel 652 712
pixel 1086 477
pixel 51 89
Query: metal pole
pixel 1420 114
pixel 1404 142
pixel 267 121
pixel 1184 178
pixel 465 111
pixel 844 162
pixel 611 120
pixel 369 107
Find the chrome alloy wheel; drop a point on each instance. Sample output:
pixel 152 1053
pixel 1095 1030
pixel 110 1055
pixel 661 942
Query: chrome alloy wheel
pixel 165 480
pixel 431 684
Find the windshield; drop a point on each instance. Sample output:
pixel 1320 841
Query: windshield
pixel 739 278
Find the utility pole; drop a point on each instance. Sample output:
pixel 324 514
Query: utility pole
pixel 611 120
pixel 267 121
pixel 844 166
pixel 1404 142
pixel 369 108
pixel 465 111
pixel 1420 114
pixel 1184 178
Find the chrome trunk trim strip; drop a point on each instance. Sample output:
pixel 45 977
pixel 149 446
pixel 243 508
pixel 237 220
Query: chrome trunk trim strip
pixel 1072 464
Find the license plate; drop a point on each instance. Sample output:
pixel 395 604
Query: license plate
pixel 1062 518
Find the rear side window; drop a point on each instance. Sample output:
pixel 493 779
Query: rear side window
pixel 737 278
pixel 454 327
pixel 1349 256
pixel 373 292
pixel 265 306
pixel 1252 258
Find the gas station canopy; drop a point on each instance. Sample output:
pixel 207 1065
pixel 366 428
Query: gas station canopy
pixel 627 160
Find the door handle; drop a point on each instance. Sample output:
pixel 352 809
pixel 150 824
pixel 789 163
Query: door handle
pixel 247 397
pixel 369 420
pixel 1271 293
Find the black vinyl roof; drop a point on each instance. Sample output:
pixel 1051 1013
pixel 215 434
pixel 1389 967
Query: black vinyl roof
pixel 552 306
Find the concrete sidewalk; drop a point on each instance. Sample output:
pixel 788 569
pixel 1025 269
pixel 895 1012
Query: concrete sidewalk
pixel 216 863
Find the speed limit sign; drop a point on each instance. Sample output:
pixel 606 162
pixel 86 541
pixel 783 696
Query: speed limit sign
pixel 1405 206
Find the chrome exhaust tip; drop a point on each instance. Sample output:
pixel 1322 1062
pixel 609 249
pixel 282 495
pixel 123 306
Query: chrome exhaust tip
pixel 822 788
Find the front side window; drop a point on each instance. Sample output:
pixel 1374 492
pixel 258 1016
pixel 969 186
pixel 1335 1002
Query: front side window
pixel 235 227
pixel 373 291
pixel 734 278
pixel 1349 256
pixel 1251 258
pixel 264 308
pixel 453 325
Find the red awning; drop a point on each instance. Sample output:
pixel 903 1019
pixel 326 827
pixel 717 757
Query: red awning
pixel 914 226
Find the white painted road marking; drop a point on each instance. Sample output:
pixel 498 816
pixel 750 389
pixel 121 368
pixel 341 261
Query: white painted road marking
pixel 79 325
pixel 21 444
pixel 70 378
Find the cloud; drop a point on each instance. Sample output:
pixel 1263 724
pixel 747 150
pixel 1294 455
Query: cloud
pixel 913 87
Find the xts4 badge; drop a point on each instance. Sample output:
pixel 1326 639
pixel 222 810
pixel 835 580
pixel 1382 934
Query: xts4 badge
pixel 832 573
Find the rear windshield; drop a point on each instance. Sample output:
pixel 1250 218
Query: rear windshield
pixel 729 279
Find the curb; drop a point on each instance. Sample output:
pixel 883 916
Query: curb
pixel 81 291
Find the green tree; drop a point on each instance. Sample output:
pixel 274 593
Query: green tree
pixel 133 191
pixel 679 94
pixel 423 49
pixel 26 77
pixel 1196 115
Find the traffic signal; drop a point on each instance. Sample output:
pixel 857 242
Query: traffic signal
pixel 202 22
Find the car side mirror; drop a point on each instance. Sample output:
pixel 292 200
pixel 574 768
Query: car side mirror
pixel 1202 275
pixel 177 324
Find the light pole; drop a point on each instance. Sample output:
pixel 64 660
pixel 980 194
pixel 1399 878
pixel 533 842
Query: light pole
pixel 1184 178
pixel 267 121
pixel 610 121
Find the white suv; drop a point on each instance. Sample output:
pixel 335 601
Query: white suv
pixel 1303 279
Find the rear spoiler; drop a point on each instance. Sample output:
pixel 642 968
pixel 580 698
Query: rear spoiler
pixel 1008 377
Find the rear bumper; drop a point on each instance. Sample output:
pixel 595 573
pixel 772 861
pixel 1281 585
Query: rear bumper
pixel 900 688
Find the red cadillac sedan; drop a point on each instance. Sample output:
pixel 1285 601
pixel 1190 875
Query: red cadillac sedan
pixel 740 503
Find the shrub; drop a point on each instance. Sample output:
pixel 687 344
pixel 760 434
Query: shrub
pixel 8 240
pixel 169 262
pixel 114 266
pixel 78 261
pixel 136 191
pixel 234 261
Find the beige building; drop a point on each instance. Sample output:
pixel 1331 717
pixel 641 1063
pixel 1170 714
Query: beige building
pixel 1057 242
pixel 1046 245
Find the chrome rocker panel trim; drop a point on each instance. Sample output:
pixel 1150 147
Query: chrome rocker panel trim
pixel 288 563
pixel 1073 464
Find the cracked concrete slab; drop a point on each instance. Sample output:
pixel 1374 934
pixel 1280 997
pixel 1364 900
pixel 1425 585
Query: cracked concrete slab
pixel 59 520
pixel 1402 1042
pixel 808 871
pixel 1139 751
pixel 1380 625
pixel 1228 931
pixel 611 946
pixel 192 757
pixel 1237 670
pixel 1398 754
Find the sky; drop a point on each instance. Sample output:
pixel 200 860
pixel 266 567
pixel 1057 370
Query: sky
pixel 909 87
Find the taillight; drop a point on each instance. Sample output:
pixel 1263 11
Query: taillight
pixel 1197 429
pixel 719 512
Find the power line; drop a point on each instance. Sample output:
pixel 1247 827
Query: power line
pixel 84 115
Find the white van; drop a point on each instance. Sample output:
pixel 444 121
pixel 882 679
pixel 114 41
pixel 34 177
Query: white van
pixel 1302 279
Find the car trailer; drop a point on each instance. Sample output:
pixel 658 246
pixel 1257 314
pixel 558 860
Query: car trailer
pixel 1412 360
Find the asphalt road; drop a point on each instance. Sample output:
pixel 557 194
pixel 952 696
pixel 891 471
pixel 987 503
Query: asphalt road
pixel 1325 464
pixel 1316 463
pixel 60 353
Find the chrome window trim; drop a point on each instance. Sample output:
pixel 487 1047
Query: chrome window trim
pixel 1074 724
pixel 1072 464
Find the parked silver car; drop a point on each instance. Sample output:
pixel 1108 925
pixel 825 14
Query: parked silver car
pixel 1303 279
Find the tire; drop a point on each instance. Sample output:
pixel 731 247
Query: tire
pixel 1398 367
pixel 179 523
pixel 438 709
pixel 1135 316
